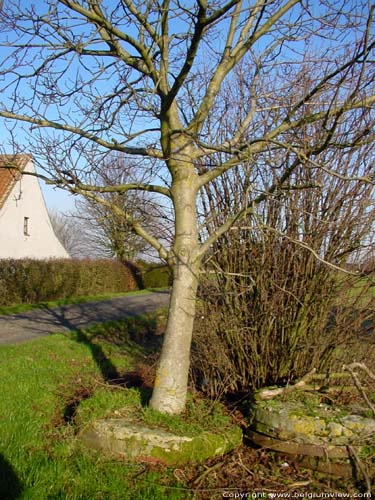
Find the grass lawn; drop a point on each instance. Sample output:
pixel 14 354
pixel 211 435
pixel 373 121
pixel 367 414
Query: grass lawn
pixel 41 383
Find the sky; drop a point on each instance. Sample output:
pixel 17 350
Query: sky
pixel 57 200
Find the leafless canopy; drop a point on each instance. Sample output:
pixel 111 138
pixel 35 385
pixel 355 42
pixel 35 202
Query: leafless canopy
pixel 88 77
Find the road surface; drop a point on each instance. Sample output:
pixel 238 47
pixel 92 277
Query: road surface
pixel 40 322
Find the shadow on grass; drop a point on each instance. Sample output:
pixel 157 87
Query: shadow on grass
pixel 136 335
pixel 136 380
pixel 132 325
pixel 10 485
pixel 131 333
pixel 105 365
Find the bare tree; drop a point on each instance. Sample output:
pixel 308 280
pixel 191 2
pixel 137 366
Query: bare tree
pixel 148 79
pixel 68 232
pixel 111 234
pixel 78 238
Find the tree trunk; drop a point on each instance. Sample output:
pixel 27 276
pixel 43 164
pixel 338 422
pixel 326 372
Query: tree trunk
pixel 170 390
pixel 169 395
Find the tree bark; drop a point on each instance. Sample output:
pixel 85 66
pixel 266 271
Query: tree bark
pixel 170 389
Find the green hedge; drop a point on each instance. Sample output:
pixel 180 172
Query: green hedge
pixel 155 275
pixel 29 281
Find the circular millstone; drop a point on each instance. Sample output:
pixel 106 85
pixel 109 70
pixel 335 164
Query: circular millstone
pixel 119 437
pixel 290 420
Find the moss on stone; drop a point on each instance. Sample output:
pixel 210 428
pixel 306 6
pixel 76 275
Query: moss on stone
pixel 294 420
pixel 204 446
pixel 119 437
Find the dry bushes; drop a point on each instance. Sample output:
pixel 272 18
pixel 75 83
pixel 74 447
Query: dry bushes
pixel 275 320
pixel 274 303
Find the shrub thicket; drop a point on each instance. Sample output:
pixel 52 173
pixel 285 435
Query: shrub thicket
pixel 278 314
pixel 275 302
pixel 29 281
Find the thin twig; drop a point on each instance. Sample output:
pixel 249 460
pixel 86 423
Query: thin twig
pixel 251 473
pixel 362 468
pixel 358 385
pixel 273 393
pixel 200 478
pixel 363 367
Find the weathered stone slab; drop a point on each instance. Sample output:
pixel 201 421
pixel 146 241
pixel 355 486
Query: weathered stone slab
pixel 290 420
pixel 326 451
pixel 119 437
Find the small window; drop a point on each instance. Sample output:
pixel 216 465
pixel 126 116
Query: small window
pixel 26 226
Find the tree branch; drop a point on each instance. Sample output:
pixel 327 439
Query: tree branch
pixel 229 59
pixel 110 34
pixel 113 146
pixel 123 188
pixel 257 145
pixel 138 229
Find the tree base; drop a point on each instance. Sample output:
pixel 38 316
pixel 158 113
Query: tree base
pixel 120 438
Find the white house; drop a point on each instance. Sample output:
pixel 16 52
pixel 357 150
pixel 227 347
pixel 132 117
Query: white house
pixel 25 226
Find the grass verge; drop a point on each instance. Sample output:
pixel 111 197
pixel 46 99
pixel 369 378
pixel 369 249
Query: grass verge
pixel 40 383
pixel 51 386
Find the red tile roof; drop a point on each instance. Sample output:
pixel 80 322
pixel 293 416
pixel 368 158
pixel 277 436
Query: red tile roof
pixel 10 168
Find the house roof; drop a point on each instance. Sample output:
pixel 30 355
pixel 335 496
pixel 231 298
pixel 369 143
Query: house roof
pixel 11 167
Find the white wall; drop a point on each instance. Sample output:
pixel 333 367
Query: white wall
pixel 26 200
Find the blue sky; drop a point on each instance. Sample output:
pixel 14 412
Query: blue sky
pixel 57 200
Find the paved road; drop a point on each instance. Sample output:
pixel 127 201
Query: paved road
pixel 40 322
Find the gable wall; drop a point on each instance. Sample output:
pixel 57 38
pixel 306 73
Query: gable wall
pixel 26 200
